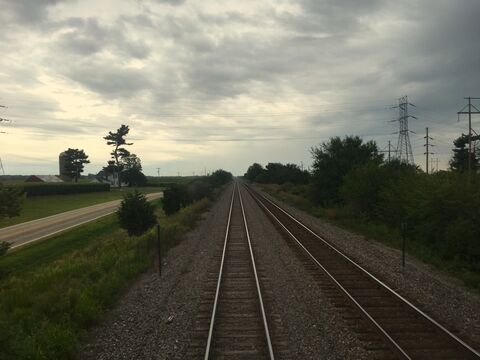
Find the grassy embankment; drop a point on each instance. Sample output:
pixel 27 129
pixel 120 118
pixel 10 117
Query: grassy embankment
pixel 36 207
pixel 53 291
pixel 298 196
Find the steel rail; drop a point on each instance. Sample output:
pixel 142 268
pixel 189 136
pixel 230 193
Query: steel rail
pixel 215 303
pixel 368 274
pixel 257 282
pixel 264 317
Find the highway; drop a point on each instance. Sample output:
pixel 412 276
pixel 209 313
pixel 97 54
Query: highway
pixel 30 231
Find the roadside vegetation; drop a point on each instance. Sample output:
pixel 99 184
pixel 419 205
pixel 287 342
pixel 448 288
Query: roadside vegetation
pixel 53 291
pixel 352 185
pixel 179 195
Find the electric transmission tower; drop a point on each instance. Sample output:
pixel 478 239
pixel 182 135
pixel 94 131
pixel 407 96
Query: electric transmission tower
pixel 470 130
pixel 404 148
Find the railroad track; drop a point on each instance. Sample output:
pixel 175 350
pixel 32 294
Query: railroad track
pixel 398 329
pixel 237 322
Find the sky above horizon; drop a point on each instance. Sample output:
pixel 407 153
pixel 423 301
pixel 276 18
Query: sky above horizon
pixel 222 84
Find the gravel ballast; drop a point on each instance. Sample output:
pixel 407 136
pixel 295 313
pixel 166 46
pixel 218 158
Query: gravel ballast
pixel 441 296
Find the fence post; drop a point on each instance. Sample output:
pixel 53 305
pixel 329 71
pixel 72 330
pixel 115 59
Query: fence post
pixel 159 251
pixel 404 238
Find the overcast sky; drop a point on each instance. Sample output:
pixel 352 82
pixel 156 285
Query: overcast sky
pixel 223 84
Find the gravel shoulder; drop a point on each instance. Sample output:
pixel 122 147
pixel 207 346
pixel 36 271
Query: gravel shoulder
pixel 154 318
pixel 441 296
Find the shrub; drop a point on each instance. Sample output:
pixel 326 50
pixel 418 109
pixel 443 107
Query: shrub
pixel 136 214
pixel 174 198
pixel 4 246
pixel 10 202
pixel 199 189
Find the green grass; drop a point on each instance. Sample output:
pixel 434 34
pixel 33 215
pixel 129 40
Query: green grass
pixel 378 232
pixel 53 291
pixel 36 207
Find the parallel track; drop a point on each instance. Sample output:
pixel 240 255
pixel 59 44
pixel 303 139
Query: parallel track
pixel 238 327
pixel 407 332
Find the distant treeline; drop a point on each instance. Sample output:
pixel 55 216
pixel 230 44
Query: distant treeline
pixel 276 173
pixel 179 195
pixel 439 211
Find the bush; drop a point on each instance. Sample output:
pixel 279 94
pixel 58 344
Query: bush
pixel 4 246
pixel 174 198
pixel 136 214
pixel 199 189
pixel 10 202
pixel 39 189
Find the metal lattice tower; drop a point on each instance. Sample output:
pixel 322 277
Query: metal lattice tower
pixel 404 148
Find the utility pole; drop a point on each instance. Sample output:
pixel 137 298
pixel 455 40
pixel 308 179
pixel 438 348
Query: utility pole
pixel 404 148
pixel 3 132
pixel 158 172
pixel 469 112
pixel 389 151
pixel 427 146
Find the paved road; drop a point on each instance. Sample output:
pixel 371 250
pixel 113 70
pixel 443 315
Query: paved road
pixel 34 230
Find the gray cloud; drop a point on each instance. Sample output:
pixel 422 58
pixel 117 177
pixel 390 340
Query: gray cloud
pixel 28 12
pixel 108 79
pixel 177 64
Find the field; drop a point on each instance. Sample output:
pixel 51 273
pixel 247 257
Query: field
pixel 53 291
pixel 42 206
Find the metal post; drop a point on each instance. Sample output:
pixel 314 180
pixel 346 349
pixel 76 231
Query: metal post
pixel 159 251
pixel 404 238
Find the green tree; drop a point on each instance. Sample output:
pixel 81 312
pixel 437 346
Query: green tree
pixel 333 160
pixel 75 159
pixel 117 140
pixel 10 205
pixel 132 171
pixel 459 161
pixel 220 177
pixel 254 171
pixel 363 186
pixel 136 214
